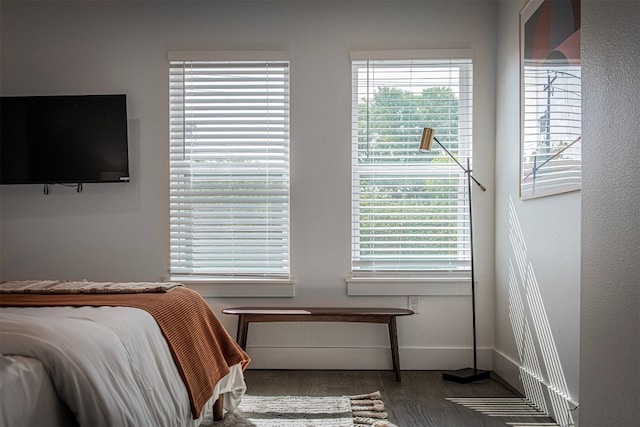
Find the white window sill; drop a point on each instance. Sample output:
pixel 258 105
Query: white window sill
pixel 240 288
pixel 419 286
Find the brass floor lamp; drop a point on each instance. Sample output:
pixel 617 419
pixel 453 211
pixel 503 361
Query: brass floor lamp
pixel 464 375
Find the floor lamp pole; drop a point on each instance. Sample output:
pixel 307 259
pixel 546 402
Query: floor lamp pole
pixel 467 375
pixel 464 375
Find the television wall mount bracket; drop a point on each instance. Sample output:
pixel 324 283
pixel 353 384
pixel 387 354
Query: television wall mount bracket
pixel 77 186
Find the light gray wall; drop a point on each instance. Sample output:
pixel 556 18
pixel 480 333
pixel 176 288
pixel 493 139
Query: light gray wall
pixel 610 294
pixel 119 232
pixel 537 258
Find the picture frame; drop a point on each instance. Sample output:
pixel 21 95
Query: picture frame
pixel 550 98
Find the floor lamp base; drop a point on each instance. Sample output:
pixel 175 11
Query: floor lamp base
pixel 466 375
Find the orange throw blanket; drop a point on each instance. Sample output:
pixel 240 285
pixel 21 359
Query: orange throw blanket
pixel 202 349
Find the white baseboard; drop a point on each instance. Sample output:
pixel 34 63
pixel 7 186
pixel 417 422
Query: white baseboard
pixel 508 370
pixel 365 358
pixel 537 391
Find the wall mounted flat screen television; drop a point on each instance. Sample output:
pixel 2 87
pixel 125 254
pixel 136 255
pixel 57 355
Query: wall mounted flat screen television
pixel 69 139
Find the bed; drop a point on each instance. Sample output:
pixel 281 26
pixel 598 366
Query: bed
pixel 107 354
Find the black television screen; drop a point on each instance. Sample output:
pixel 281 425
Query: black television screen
pixel 63 139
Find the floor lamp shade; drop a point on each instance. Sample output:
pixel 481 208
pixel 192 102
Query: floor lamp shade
pixel 427 139
pixel 464 375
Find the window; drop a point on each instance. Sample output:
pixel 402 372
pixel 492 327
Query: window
pixel 409 209
pixel 229 166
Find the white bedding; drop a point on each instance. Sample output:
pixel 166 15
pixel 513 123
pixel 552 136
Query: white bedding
pixel 28 397
pixel 110 365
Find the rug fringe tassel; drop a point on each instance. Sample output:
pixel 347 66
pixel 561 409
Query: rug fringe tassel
pixel 375 395
pixel 370 423
pixel 371 414
pixel 368 410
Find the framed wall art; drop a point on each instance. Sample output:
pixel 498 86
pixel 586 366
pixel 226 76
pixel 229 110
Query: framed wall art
pixel 550 98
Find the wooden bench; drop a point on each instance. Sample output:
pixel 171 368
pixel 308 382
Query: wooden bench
pixel 247 315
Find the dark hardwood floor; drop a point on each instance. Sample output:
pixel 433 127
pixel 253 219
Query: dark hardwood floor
pixel 422 399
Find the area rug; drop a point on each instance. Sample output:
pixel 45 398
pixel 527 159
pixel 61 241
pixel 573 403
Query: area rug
pixel 366 410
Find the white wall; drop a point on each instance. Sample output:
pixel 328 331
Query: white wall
pixel 537 258
pixel 119 232
pixel 610 294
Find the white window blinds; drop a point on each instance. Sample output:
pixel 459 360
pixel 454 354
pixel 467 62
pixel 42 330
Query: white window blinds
pixel 409 209
pixel 229 169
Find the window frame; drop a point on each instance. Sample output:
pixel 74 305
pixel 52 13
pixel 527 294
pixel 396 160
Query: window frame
pixel 412 282
pixel 263 284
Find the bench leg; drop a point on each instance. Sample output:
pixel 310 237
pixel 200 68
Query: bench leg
pixel 243 329
pixel 393 338
pixel 218 408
